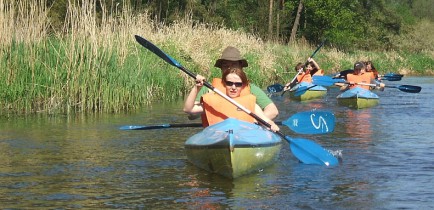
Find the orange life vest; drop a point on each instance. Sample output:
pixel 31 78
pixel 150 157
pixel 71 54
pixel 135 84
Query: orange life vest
pixel 217 108
pixel 363 78
pixel 371 74
pixel 320 72
pixel 304 77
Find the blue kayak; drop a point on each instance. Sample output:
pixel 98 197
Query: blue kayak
pixel 233 148
pixel 358 98
pixel 309 91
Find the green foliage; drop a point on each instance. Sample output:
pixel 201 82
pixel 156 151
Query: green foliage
pixel 347 24
pixel 423 9
pixel 339 22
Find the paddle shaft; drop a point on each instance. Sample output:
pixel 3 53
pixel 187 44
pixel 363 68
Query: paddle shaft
pixel 163 126
pixel 292 81
pixel 327 81
pixel 403 88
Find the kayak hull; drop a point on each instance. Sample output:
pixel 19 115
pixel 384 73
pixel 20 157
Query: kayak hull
pixel 233 148
pixel 358 98
pixel 312 92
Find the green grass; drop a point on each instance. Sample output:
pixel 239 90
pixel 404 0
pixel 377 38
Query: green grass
pixel 100 68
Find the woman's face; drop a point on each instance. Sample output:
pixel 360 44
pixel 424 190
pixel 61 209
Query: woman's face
pixel 368 67
pixel 234 85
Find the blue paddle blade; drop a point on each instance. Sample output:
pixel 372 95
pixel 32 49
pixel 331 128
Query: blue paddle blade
pixel 326 81
pixel 311 122
pixel 275 88
pixel 301 90
pixel 309 152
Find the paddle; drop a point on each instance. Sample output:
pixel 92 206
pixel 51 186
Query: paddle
pixel 404 88
pixel 275 88
pixel 298 92
pixel 151 127
pixel 393 75
pixel 278 87
pixel 301 90
pixel 294 80
pixel 307 151
pixel 328 81
pixel 309 122
pixel 391 78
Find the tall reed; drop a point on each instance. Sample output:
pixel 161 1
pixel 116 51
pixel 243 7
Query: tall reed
pixel 95 65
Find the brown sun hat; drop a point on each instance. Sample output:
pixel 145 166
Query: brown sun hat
pixel 231 54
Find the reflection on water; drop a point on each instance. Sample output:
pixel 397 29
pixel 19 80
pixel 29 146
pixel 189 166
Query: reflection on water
pixel 86 162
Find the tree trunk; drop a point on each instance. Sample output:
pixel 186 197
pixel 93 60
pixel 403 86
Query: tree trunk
pixel 279 11
pixel 278 24
pixel 270 21
pixel 296 22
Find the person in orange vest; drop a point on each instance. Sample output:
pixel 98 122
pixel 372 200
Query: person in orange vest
pixel 314 68
pixel 360 78
pixel 305 74
pixel 231 58
pixel 372 70
pixel 214 108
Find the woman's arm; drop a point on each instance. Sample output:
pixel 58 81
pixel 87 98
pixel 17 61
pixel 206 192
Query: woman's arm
pixel 191 106
pixel 260 114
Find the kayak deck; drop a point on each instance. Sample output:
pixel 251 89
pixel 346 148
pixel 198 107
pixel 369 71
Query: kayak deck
pixel 309 91
pixel 358 98
pixel 233 148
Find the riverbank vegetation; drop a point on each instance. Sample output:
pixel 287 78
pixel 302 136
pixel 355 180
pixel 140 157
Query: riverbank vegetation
pixel 91 63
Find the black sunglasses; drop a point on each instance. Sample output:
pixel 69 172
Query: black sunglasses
pixel 237 84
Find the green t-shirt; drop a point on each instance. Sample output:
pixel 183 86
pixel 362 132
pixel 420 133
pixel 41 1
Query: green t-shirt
pixel 261 98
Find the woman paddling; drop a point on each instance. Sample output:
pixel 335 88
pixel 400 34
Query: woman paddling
pixel 231 58
pixel 215 108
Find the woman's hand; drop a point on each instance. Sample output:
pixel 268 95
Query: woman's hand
pixel 199 81
pixel 273 127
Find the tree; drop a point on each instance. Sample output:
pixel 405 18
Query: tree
pixel 296 22
pixel 270 20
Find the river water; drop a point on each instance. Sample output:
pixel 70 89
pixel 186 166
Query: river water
pixel 86 162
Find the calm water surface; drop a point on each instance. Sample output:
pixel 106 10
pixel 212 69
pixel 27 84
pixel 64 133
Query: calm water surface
pixel 86 162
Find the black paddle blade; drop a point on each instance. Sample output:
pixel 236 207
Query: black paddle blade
pixel 393 75
pixel 392 78
pixel 151 47
pixel 410 88
pixel 275 88
pixel 157 51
